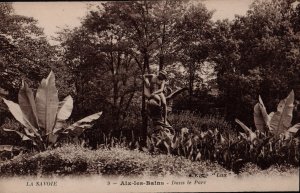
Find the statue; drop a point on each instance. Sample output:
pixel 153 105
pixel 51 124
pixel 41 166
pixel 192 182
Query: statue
pixel 154 91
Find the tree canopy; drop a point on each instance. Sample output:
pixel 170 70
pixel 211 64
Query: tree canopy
pixel 257 54
pixel 101 62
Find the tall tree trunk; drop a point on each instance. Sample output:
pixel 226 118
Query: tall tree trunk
pixel 162 51
pixel 79 106
pixel 114 81
pixel 161 62
pixel 191 84
pixel 144 129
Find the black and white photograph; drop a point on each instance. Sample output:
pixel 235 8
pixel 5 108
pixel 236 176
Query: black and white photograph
pixel 149 96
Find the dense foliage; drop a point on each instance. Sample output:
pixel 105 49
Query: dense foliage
pixel 24 52
pixel 258 54
pixel 118 42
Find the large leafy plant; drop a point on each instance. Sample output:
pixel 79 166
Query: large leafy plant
pixel 43 116
pixel 278 123
pixel 273 141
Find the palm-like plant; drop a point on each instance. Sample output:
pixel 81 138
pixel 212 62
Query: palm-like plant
pixel 43 116
pixel 277 123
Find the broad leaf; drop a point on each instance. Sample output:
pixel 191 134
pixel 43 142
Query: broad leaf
pixel 294 129
pixel 6 148
pixel 10 148
pixel 270 117
pixel 27 105
pixel 23 136
pixel 246 129
pixel 65 108
pixel 243 135
pixel 258 118
pixel 58 126
pixel 250 133
pixel 261 118
pixel 282 119
pixel 47 103
pixel 78 128
pixel 287 135
pixel 16 111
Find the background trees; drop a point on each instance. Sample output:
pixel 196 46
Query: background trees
pixel 258 54
pixel 101 62
pixel 118 42
pixel 24 53
pixel 195 44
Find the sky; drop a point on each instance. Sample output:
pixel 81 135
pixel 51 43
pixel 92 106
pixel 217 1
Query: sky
pixel 55 15
pixel 227 8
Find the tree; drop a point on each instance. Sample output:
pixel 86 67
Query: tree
pixel 150 28
pixel 129 39
pixel 27 53
pixel 194 42
pixel 167 14
pixel 263 59
pixel 99 56
pixel 24 51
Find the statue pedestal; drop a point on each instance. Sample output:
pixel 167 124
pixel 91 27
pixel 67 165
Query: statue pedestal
pixel 155 113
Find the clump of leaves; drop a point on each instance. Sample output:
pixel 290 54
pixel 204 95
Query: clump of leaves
pixel 43 116
pixel 274 138
pixel 276 124
pixel 273 142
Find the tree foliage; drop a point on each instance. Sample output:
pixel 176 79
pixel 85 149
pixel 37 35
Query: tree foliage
pixel 257 54
pixel 118 42
pixel 100 62
pixel 24 53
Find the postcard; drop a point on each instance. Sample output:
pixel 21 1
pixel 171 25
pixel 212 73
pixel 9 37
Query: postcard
pixel 149 96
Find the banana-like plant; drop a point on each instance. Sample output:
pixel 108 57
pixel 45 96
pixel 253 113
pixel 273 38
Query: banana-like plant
pixel 278 123
pixel 43 116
